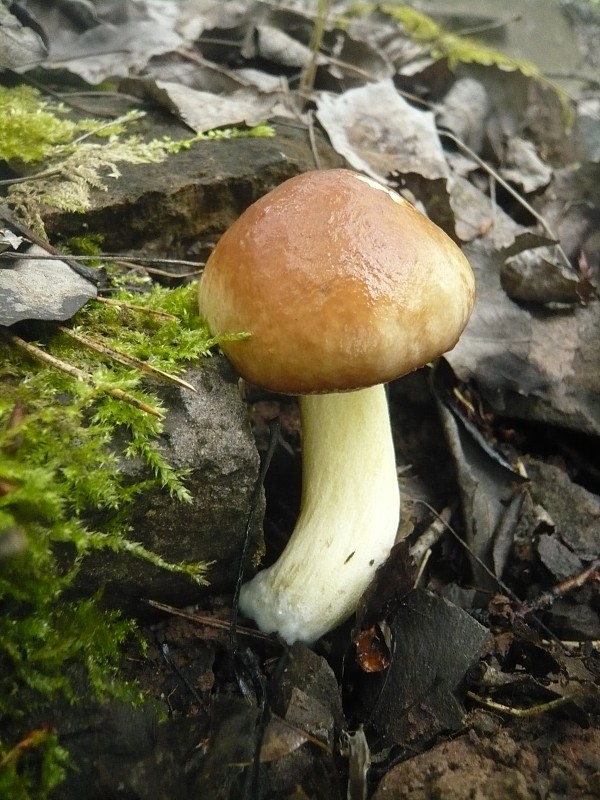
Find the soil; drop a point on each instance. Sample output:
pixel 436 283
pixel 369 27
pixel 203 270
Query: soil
pixel 502 759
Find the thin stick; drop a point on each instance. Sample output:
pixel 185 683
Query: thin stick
pixel 123 358
pixel 129 117
pixel 79 374
pixel 274 429
pixel 132 307
pixel 533 711
pixel 212 622
pixel 102 257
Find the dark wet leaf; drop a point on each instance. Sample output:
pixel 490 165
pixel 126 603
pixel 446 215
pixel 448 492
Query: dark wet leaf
pixel 393 580
pixel 571 206
pixel 490 488
pixel 350 62
pixel 230 747
pixel 435 643
pixel 541 276
pixel 529 365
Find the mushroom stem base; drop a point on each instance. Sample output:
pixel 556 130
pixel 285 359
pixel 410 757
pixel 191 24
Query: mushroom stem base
pixel 347 524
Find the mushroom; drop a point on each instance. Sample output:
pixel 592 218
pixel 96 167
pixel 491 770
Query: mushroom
pixel 342 285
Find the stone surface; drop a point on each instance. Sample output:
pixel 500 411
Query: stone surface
pixel 41 289
pixel 178 208
pixel 208 434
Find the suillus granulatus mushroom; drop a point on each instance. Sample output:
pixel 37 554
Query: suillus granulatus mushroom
pixel 342 285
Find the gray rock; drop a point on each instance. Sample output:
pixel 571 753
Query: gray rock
pixel 179 207
pixel 41 289
pixel 208 434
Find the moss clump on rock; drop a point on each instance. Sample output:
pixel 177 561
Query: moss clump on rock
pixel 58 466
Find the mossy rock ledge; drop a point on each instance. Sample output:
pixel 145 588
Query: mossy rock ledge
pixel 180 207
pixel 207 434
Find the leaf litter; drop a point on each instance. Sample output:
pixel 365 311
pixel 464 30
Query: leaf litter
pixel 508 163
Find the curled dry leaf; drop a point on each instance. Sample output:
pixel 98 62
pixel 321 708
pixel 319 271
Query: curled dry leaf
pixel 378 132
pixel 540 276
pixel 523 166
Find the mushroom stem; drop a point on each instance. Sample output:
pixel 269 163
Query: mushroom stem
pixel 348 519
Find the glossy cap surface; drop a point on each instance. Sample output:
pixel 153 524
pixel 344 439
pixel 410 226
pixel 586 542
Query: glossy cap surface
pixel 341 284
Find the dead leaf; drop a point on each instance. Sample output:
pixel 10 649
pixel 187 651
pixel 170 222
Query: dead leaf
pixel 379 133
pixel 204 111
pixel 280 739
pixel 489 487
pixel 523 167
pixel 21 47
pixel 464 111
pixel 109 44
pixel 529 365
pixel 414 699
pixel 540 276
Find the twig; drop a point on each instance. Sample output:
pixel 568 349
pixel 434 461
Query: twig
pixel 212 622
pixel 161 273
pixel 103 257
pixel 506 589
pixel 431 536
pixel 542 708
pixel 37 176
pixel 546 599
pixel 79 374
pixel 27 233
pixel 312 140
pixel 132 307
pixel 274 429
pixel 123 358
pixel 131 116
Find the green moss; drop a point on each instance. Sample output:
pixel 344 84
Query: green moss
pixel 56 467
pixel 29 130
pixel 456 48
pixel 47 760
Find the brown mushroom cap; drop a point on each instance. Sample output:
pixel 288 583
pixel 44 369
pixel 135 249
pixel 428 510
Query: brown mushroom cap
pixel 340 282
